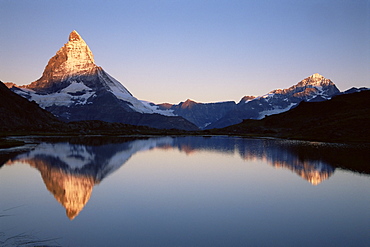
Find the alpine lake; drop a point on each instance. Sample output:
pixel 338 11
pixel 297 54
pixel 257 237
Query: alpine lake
pixel 183 191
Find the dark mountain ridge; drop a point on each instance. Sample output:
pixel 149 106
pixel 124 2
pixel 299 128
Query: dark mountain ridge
pixel 22 117
pixel 201 114
pixel 17 113
pixel 222 114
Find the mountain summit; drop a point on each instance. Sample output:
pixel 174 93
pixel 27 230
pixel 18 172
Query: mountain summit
pixel 73 59
pixel 74 88
pixel 310 88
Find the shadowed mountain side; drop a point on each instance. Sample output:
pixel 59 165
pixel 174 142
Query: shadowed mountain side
pixel 17 113
pixel 201 114
pixel 101 104
pixel 20 116
pixel 345 118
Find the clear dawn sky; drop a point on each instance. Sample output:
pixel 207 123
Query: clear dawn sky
pixel 208 51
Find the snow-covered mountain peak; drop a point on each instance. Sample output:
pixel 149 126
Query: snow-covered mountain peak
pixel 316 80
pixel 315 84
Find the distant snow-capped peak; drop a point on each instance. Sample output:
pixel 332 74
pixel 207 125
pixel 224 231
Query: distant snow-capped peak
pixel 308 88
pixel 314 87
pixel 315 80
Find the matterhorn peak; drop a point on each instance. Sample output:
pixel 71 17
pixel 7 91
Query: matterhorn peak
pixel 74 36
pixel 73 59
pixel 316 76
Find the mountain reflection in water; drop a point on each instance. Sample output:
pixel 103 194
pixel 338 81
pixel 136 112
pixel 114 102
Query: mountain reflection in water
pixel 71 169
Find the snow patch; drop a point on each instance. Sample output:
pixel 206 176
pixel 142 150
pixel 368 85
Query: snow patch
pixel 155 108
pixel 75 87
pixel 62 98
pixel 277 110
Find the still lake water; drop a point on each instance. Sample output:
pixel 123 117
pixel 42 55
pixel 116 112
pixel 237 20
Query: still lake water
pixel 184 191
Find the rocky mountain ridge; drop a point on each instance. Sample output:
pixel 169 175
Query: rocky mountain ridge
pixel 222 114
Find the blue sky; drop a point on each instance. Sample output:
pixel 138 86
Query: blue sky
pixel 208 51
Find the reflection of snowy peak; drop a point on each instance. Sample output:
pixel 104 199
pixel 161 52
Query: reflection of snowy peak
pixel 70 171
pixel 95 161
pixel 73 88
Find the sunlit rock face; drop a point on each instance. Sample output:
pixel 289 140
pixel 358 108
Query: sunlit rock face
pixel 311 87
pixel 74 58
